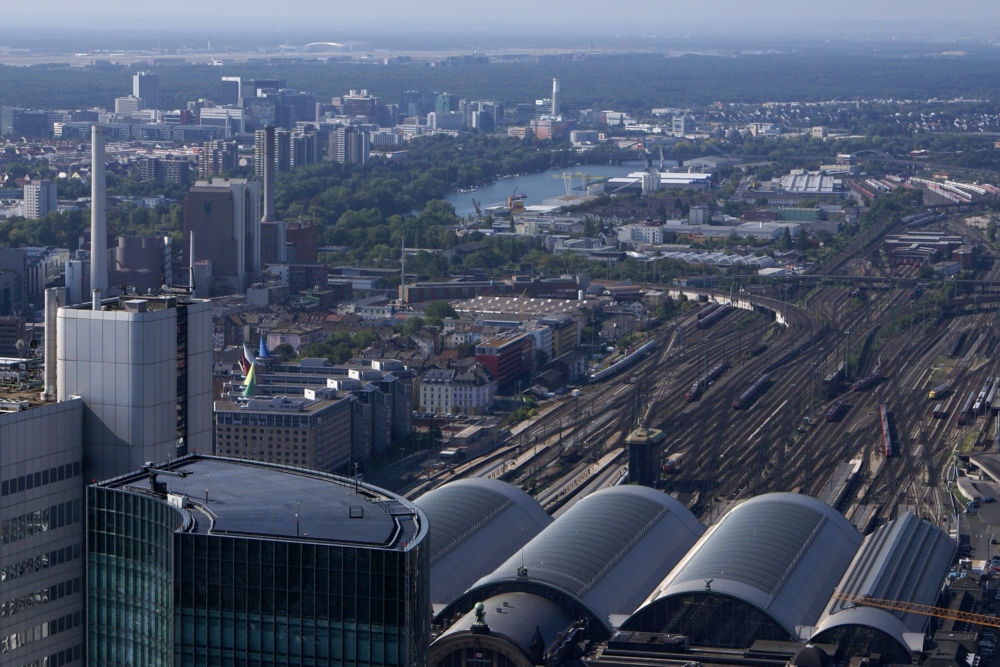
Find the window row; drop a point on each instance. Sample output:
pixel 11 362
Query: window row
pixel 63 657
pixel 16 640
pixel 40 562
pixel 40 597
pixel 42 478
pixel 40 521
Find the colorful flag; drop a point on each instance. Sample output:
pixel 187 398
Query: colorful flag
pixel 250 384
pixel 263 353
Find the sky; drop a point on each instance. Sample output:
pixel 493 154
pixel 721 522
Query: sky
pixel 590 16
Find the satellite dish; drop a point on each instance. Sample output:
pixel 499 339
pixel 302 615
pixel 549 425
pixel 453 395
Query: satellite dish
pixel 19 344
pixel 33 344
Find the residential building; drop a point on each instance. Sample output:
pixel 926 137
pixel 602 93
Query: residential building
pixel 307 432
pixel 295 335
pixel 224 216
pixel 42 590
pixel 39 198
pixel 470 391
pixel 146 87
pixel 218 157
pixel 142 365
pixel 350 144
pixel 508 358
pixel 165 169
pixel 253 563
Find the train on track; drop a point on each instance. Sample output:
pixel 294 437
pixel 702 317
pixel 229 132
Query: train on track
pixel 965 415
pixel 713 317
pixel 887 446
pixel 702 383
pixel 834 377
pixel 980 403
pixel 743 399
pixel 939 412
pixel 940 391
pixel 866 382
pixel 707 310
pixel 833 414
pixel 624 362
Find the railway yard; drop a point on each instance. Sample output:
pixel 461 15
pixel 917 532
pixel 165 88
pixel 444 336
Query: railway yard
pixel 813 385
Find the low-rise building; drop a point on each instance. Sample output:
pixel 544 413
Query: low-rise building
pixel 294 431
pixel 470 391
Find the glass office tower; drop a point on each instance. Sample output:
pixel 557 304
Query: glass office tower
pixel 241 563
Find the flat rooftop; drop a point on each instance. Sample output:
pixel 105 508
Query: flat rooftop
pixel 248 498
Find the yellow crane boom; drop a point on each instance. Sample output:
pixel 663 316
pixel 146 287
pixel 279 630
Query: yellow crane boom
pixel 923 609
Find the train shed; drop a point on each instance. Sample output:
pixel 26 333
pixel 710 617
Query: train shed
pixel 477 525
pixel 905 560
pixel 764 570
pixel 600 559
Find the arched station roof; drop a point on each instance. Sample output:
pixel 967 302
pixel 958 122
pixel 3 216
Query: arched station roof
pixel 601 557
pixel 475 525
pixel 905 560
pixel 780 555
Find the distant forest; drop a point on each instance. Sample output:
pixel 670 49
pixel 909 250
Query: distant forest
pixel 633 83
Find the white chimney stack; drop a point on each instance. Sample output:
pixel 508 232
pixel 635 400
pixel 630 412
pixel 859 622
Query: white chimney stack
pixel 54 298
pixel 98 214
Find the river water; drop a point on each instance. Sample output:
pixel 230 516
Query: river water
pixel 537 187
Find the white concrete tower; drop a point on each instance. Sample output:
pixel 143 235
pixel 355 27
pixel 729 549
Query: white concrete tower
pixel 98 214
pixel 555 97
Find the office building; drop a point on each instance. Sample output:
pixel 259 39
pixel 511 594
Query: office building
pixel 164 169
pixel 294 431
pixel 24 123
pixel 224 216
pixel 126 106
pixel 214 561
pixel 508 357
pixel 230 121
pixel 146 87
pixel 39 199
pixel 142 365
pixel 42 596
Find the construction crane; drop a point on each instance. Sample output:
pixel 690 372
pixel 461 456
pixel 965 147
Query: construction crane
pixel 922 609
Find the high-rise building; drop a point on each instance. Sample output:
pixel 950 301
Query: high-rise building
pixel 224 214
pixel 254 563
pixel 42 591
pixel 146 87
pixel 39 199
pixel 218 157
pixel 304 149
pixel 350 144
pixel 142 365
pixel 164 169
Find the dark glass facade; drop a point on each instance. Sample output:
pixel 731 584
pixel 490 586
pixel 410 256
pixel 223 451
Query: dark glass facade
pixel 162 596
pixel 709 619
pixel 130 541
pixel 265 602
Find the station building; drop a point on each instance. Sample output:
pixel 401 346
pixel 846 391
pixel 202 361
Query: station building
pixel 216 561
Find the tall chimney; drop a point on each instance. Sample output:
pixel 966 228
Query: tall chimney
pixel 555 97
pixel 268 174
pixel 98 215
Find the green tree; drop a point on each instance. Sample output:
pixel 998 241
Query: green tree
pixel 437 311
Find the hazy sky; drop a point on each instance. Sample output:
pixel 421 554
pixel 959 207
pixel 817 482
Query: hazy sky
pixel 592 16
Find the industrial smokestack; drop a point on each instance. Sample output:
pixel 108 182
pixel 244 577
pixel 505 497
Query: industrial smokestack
pixel 269 174
pixel 555 97
pixel 54 298
pixel 98 215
